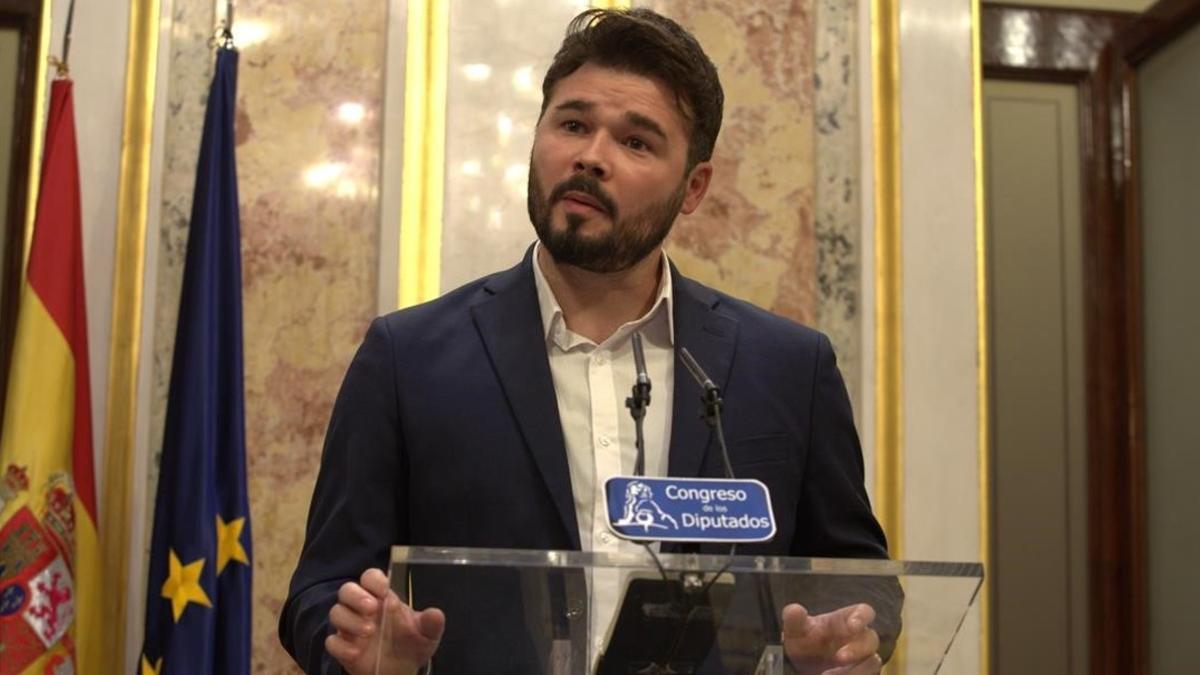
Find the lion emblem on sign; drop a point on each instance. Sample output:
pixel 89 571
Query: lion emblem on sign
pixel 641 509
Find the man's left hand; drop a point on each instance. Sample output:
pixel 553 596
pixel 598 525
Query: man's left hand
pixel 841 642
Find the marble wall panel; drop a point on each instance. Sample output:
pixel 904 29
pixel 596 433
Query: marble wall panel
pixel 780 226
pixel 309 143
pixel 838 187
pixel 190 71
pixel 309 137
pixel 753 235
pixel 494 92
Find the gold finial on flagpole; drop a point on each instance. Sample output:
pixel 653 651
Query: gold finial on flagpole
pixel 223 35
pixel 61 64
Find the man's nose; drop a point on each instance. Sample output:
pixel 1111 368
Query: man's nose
pixel 592 158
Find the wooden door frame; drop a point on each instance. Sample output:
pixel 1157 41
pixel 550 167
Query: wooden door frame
pixel 1068 46
pixel 1123 472
pixel 1099 53
pixel 26 17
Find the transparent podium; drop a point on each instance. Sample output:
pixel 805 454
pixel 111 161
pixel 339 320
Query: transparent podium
pixel 569 612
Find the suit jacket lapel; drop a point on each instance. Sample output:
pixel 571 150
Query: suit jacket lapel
pixel 510 325
pixel 711 337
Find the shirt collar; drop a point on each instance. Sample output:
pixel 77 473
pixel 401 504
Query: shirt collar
pixel 554 325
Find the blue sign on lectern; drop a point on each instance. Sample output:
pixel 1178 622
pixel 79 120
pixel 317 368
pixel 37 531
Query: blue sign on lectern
pixel 689 509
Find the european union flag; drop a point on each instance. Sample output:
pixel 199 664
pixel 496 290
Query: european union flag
pixel 198 600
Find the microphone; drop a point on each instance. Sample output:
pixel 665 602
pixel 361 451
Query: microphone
pixel 638 402
pixel 642 388
pixel 712 404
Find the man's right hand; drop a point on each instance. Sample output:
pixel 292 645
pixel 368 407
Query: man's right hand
pixel 412 636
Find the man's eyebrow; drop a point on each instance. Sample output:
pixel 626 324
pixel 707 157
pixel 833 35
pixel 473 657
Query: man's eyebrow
pixel 640 120
pixel 576 104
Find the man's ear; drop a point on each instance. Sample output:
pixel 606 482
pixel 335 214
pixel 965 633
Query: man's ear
pixel 697 187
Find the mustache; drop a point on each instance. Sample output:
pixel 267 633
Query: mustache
pixel 587 185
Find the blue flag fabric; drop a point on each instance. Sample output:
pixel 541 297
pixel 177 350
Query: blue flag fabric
pixel 198 595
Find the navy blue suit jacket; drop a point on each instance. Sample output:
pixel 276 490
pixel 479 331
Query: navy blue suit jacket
pixel 446 433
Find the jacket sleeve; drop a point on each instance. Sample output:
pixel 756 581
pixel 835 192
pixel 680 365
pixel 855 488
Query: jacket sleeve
pixel 834 517
pixel 356 513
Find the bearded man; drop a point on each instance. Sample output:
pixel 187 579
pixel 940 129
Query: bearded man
pixel 492 416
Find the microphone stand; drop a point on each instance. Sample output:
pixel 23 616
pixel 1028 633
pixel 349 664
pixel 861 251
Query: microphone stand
pixel 711 398
pixel 638 402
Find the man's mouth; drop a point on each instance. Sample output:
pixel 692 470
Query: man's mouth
pixel 584 200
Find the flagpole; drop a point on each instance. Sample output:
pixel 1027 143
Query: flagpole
pixel 66 50
pixel 224 33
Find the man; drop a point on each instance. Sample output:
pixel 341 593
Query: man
pixel 491 416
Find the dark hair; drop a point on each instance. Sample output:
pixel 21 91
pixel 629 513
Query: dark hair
pixel 646 43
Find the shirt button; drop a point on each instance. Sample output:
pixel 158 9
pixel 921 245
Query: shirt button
pixel 604 441
pixel 600 360
pixel 605 538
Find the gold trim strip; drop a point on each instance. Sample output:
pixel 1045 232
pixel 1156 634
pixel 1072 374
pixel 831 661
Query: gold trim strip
pixel 889 403
pixel 133 194
pixel 38 128
pixel 984 350
pixel 611 4
pixel 422 185
pixel 889 376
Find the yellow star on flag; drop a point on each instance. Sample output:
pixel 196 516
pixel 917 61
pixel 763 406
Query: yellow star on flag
pixel 183 585
pixel 148 669
pixel 229 542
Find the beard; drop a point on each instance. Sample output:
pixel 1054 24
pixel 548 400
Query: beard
pixel 629 240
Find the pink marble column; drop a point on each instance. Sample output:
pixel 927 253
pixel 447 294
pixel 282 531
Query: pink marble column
pixel 780 225
pixel 753 235
pixel 309 130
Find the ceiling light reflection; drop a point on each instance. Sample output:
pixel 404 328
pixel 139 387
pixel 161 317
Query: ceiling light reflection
pixel 522 79
pixel 351 112
pixel 1018 48
pixel 322 175
pixel 477 72
pixel 517 173
pixel 249 32
pixel 504 127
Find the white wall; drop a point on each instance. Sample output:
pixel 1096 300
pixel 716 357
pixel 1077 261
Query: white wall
pixel 938 305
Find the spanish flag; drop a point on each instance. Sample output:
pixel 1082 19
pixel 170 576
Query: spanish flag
pixel 49 559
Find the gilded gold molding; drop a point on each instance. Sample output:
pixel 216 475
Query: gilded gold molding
pixel 983 378
pixel 133 192
pixel 611 4
pixel 422 185
pixel 889 403
pixel 889 382
pixel 38 128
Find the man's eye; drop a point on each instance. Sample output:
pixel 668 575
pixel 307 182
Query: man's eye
pixel 636 143
pixel 573 126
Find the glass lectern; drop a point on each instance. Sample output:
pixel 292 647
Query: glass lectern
pixel 570 612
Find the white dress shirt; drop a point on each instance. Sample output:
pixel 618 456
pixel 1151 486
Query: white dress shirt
pixel 591 383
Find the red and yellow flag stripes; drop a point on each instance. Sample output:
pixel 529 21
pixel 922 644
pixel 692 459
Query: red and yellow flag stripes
pixel 49 558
